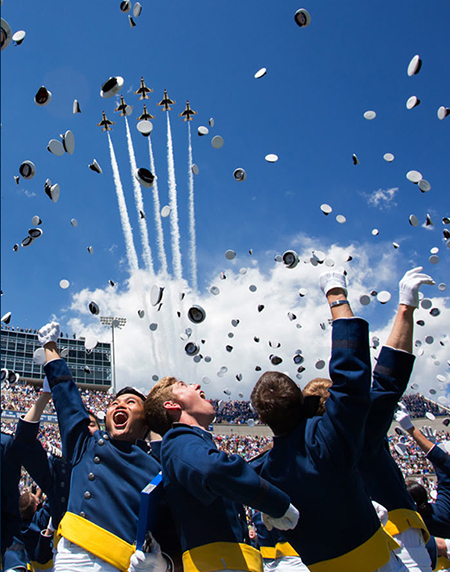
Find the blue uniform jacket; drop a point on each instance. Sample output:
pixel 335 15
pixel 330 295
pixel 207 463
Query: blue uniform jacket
pixel 439 522
pixel 31 530
pixel 317 465
pixel 206 489
pixel 107 477
pixel 51 473
pixel 11 535
pixel 383 479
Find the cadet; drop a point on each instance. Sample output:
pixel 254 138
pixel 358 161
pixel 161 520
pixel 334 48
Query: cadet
pixel 205 487
pixel 315 459
pixel 109 469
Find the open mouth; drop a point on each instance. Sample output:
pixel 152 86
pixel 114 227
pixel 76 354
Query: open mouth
pixel 120 418
pixel 202 394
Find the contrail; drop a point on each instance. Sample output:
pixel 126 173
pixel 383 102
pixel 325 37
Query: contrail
pixel 157 209
pixel 147 253
pixel 175 231
pixel 193 246
pixel 126 227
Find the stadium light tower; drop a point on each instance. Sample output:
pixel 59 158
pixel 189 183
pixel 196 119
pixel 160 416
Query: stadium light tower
pixel 113 323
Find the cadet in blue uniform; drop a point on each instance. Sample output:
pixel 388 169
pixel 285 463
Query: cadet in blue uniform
pixel 435 514
pixel 315 460
pixel 383 478
pixel 52 474
pixel 109 469
pixel 205 487
pixel 13 552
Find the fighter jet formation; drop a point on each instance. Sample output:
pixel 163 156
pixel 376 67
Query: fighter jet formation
pixel 188 112
pixel 143 92
pixel 105 123
pixel 166 102
pixel 146 116
pixel 123 107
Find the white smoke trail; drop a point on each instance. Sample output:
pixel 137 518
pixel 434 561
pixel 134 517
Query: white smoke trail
pixel 157 209
pixel 147 253
pixel 175 231
pixel 193 246
pixel 126 227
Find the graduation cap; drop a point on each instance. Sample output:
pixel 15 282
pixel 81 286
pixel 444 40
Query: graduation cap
pixel 111 87
pixel 93 308
pixel 68 142
pixel 6 318
pixel 27 169
pixel 6 34
pixel 144 176
pixel 43 96
pixel 19 37
pixel 94 166
pixel 302 18
pixel 239 174
pixel 290 259
pixel 76 107
pixel 125 6
pixel 196 314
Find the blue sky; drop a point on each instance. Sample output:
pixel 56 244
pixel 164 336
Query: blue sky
pixel 308 110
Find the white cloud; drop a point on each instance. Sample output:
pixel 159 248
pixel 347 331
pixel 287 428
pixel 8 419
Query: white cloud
pixel 29 194
pixel 142 353
pixel 382 199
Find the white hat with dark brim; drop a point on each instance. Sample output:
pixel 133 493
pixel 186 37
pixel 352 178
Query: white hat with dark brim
pixel 94 166
pixel 68 142
pixel 144 176
pixel 111 87
pixel 302 18
pixel 6 34
pixel 290 259
pixel 196 314
pixel 43 96
pixel 27 169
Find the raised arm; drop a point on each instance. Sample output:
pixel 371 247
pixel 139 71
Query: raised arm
pixel 342 425
pixel 395 362
pixel 29 449
pixel 73 418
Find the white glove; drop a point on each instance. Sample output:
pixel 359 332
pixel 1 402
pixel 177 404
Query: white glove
pixel 410 285
pixel 381 511
pixel 286 522
pixel 429 433
pixel 148 561
pixel 402 417
pixel 46 386
pixel 48 333
pixel 332 279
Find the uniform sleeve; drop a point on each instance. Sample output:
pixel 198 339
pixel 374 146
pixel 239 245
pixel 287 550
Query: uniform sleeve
pixel 73 418
pixel 341 428
pixel 32 454
pixel 208 473
pixel 441 507
pixel 390 379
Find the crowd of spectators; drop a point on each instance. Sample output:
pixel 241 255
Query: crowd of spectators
pixel 21 397
pixel 417 406
pixel 407 455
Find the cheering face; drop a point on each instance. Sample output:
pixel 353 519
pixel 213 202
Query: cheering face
pixel 125 418
pixel 192 400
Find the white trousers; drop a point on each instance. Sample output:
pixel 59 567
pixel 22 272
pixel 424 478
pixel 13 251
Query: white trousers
pixel 72 558
pixel 285 564
pixel 412 551
pixel 394 565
